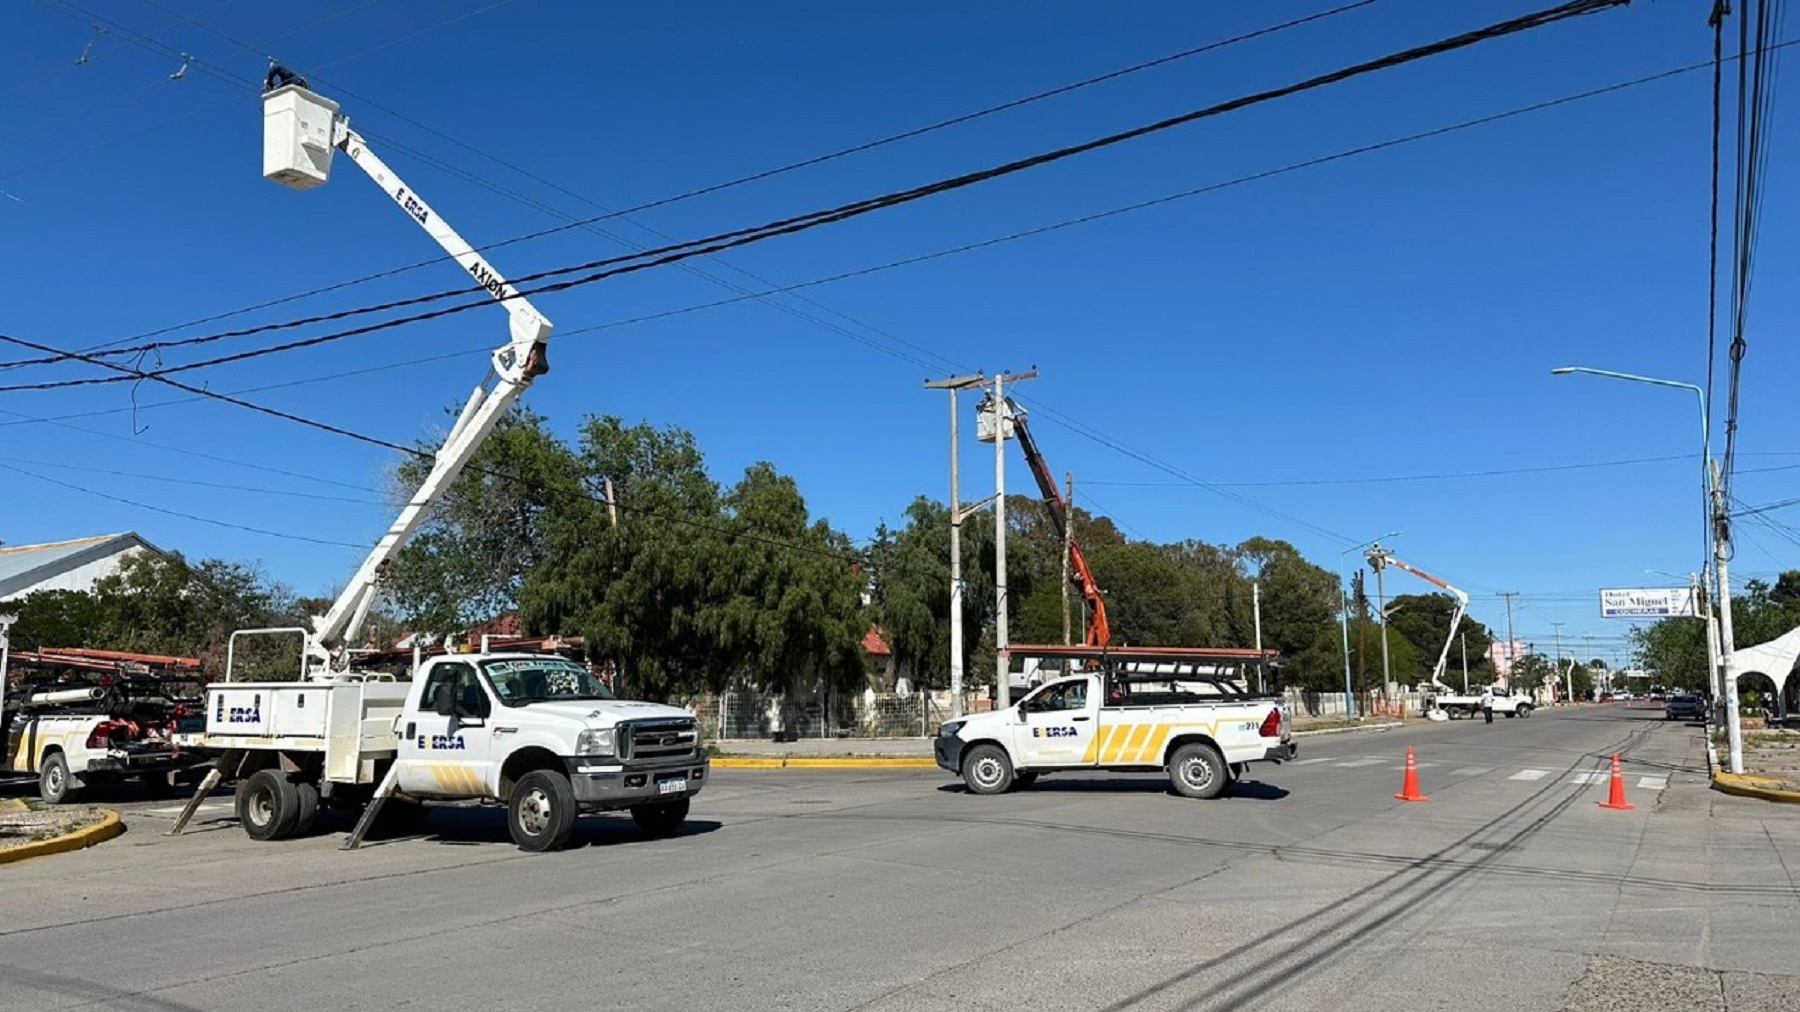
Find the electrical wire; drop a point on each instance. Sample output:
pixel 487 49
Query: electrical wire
pixel 194 482
pixel 610 267
pixel 284 535
pixel 729 184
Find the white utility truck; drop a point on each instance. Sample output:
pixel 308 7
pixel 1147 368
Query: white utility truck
pixel 1505 701
pixel 539 734
pixel 1124 717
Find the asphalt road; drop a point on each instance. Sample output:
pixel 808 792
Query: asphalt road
pixel 1312 888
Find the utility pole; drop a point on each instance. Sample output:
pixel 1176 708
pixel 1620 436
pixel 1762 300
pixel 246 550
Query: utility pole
pixel 1569 678
pixel 1256 611
pixel 1002 430
pixel 612 503
pixel 1511 644
pixel 1068 540
pixel 1362 653
pixel 953 384
pixel 1465 659
pixel 1734 732
pixel 6 624
pixel 1378 562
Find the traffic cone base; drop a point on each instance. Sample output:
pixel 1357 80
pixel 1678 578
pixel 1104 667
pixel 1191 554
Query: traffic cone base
pixel 1616 796
pixel 1409 788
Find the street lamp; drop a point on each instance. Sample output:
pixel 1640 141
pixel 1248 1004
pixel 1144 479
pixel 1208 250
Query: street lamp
pixel 953 384
pixel 1344 614
pixel 1713 505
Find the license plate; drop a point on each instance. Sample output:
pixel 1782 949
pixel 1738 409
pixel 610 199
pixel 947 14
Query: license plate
pixel 675 786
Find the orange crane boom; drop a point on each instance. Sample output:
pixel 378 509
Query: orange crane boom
pixel 1099 633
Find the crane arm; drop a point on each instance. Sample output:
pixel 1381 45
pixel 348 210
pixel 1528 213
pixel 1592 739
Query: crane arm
pixel 513 367
pixel 1380 558
pixel 1099 632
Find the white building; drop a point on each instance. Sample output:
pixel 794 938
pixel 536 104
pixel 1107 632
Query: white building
pixel 65 565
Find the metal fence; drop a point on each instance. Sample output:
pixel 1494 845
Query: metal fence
pixel 746 714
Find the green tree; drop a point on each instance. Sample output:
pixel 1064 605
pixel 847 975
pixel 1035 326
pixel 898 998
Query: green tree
pixel 467 562
pixel 1300 604
pixel 1424 619
pixel 909 588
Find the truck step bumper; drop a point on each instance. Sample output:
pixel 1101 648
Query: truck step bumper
pixel 604 785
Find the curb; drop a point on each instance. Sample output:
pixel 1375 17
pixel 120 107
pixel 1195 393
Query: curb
pixel 800 762
pixel 108 827
pixel 1349 730
pixel 1753 787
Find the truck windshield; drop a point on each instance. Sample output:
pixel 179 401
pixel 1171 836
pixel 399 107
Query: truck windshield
pixel 521 681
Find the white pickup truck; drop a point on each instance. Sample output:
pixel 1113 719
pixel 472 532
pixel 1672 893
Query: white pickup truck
pixel 1505 701
pixel 1201 734
pixel 535 732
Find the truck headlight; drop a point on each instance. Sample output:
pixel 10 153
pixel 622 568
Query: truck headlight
pixel 595 742
pixel 951 729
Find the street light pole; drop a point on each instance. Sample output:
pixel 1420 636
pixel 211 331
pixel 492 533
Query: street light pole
pixel 953 384
pixel 1344 614
pixel 1717 540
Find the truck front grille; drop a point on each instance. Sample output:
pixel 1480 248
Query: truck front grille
pixel 647 740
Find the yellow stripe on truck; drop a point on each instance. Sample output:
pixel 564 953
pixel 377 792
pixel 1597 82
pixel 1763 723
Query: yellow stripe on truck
pixel 1123 750
pixel 1152 750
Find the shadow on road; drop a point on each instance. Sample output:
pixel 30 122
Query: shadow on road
pixel 1148 783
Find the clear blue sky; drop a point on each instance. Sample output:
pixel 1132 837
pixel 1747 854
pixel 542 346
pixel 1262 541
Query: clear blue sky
pixel 1393 314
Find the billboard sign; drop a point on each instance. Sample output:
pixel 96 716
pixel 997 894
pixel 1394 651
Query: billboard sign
pixel 1648 602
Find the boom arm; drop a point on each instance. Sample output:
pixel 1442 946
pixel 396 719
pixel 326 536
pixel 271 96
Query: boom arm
pixel 514 365
pixel 1099 633
pixel 1379 558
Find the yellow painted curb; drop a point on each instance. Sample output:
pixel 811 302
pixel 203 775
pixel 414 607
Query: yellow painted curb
pixel 108 827
pixel 788 762
pixel 1753 787
pixel 12 805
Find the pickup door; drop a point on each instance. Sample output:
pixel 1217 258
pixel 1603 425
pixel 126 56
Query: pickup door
pixel 446 749
pixel 1058 725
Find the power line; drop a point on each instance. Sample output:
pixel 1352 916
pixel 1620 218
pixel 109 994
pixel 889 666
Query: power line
pixel 716 187
pixel 1383 479
pixel 609 267
pixel 193 482
pixel 177 513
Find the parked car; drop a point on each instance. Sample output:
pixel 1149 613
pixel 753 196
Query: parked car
pixel 1684 706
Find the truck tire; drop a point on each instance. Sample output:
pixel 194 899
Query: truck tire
pixel 541 812
pixel 1524 711
pixel 661 819
pixel 306 806
pixel 268 805
pixel 56 785
pixel 1199 771
pixel 987 770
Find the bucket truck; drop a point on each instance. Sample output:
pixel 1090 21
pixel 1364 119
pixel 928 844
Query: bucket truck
pixel 538 734
pixel 1441 700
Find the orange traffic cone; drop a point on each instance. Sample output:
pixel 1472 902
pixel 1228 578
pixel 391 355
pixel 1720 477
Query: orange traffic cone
pixel 1617 796
pixel 1409 789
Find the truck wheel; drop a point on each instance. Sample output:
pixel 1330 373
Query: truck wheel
pixel 1198 771
pixel 56 785
pixel 988 770
pixel 306 807
pixel 157 786
pixel 1023 781
pixel 268 804
pixel 1524 711
pixel 541 812
pixel 662 819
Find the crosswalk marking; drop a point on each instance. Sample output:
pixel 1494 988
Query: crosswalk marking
pixel 1529 775
pixel 1360 762
pixel 1590 778
pixel 1314 759
pixel 1471 771
pixel 1652 783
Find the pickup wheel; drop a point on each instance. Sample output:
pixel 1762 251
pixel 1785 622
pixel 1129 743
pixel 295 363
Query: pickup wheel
pixel 56 785
pixel 988 770
pixel 268 805
pixel 662 819
pixel 1199 771
pixel 1524 711
pixel 541 812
